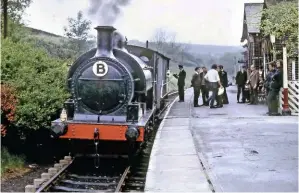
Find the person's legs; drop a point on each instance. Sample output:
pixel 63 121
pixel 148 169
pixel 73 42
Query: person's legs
pixel 255 93
pixel 181 93
pixel 273 103
pixel 213 97
pixel 242 88
pixel 220 100
pixel 224 97
pixel 196 95
pixel 269 99
pixel 203 95
pixel 238 93
pixel 206 92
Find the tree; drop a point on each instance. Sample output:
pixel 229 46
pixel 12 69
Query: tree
pixel 11 19
pixel 15 8
pixel 78 32
pixel 12 9
pixel 160 38
pixel 165 41
pixel 281 20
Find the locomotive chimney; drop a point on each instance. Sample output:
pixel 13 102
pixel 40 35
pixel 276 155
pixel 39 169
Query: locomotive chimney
pixel 104 41
pixel 146 44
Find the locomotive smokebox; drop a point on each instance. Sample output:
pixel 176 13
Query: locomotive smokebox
pixel 104 41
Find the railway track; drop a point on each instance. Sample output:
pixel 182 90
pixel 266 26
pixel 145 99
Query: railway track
pixel 115 174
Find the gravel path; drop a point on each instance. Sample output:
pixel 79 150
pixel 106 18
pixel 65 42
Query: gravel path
pixel 18 184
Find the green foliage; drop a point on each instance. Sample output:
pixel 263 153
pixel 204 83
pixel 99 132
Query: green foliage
pixel 39 81
pixel 16 8
pixel 10 162
pixel 61 51
pixel 15 31
pixel 78 33
pixel 281 20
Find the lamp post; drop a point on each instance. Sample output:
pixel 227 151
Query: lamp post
pixel 285 107
pixel 272 39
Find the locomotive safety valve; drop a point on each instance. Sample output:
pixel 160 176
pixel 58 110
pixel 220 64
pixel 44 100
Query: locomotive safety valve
pixel 132 133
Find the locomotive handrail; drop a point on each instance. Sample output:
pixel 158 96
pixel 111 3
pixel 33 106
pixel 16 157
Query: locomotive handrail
pixel 162 86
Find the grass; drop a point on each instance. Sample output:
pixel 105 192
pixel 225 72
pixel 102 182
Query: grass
pixel 11 165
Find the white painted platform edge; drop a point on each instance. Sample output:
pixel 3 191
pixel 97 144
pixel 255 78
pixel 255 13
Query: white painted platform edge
pixel 207 173
pixel 156 142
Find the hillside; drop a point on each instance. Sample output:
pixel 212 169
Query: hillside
pixel 200 49
pixel 194 54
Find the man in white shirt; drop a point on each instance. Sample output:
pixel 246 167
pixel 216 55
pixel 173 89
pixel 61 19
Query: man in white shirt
pixel 214 83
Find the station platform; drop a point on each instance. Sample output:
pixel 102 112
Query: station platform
pixel 240 148
pixel 174 164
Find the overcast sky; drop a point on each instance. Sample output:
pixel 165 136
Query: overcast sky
pixel 217 22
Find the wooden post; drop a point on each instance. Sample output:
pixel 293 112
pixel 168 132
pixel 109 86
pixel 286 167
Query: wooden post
pixel 285 107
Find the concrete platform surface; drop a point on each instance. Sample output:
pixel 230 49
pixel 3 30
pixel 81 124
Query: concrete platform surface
pixel 244 150
pixel 174 164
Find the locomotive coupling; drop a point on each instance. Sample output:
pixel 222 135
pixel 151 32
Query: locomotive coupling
pixel 132 133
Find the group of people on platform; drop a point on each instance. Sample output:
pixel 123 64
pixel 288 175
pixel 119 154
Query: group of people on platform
pixel 204 81
pixel 249 82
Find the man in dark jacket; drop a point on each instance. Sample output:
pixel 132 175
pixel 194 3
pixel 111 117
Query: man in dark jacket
pixel 241 79
pixel 219 98
pixel 181 82
pixel 224 82
pixel 269 76
pixel 196 83
pixel 275 85
pixel 204 86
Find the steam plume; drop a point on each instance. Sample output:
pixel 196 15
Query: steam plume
pixel 105 12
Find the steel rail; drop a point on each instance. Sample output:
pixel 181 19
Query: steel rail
pixel 48 183
pixel 122 179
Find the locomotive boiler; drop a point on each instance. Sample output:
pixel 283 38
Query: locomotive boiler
pixel 116 90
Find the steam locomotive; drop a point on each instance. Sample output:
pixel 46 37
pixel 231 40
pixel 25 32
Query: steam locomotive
pixel 116 91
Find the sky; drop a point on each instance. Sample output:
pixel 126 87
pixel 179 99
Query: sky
pixel 213 22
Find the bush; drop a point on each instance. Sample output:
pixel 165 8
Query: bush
pixel 8 107
pixel 39 81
